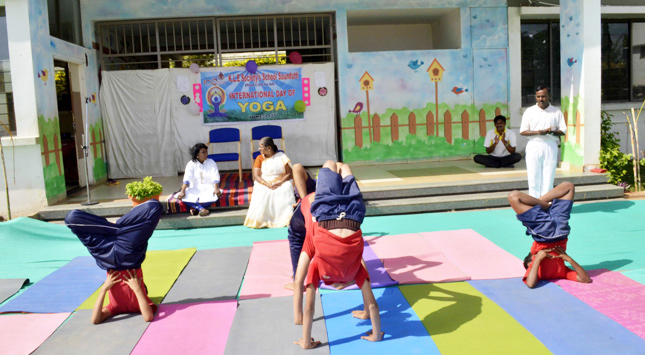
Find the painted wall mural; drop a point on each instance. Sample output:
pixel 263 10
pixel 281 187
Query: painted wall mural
pixel 572 103
pixel 97 155
pixel 405 112
pixel 52 156
pixel 409 118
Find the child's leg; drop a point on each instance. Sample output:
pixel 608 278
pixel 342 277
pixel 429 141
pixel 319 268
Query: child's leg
pixel 372 308
pixel 301 274
pixel 307 342
pixel 521 202
pixel 564 191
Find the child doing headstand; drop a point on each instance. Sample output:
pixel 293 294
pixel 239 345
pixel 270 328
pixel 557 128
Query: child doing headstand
pixel 336 247
pixel 547 220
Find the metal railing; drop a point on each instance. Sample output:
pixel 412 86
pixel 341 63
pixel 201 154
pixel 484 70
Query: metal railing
pixel 152 44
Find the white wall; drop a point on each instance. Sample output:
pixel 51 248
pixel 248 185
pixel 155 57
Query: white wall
pixel 620 124
pixel 26 185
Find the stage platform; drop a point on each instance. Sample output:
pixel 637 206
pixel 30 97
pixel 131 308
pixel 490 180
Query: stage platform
pixel 387 189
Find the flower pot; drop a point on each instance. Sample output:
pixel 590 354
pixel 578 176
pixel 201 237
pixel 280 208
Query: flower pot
pixel 136 202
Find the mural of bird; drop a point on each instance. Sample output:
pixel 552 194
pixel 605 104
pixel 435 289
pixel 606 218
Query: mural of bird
pixel 415 64
pixel 43 75
pixel 458 90
pixel 93 97
pixel 357 108
pixel 571 61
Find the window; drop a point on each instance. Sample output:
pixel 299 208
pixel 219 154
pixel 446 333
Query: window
pixel 214 41
pixel 65 20
pixel 623 63
pixel 540 60
pixel 403 29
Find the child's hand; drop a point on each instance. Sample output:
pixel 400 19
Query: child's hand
pixel 361 314
pixel 132 280
pixel 307 345
pixel 342 285
pixel 373 337
pixel 562 254
pixel 111 280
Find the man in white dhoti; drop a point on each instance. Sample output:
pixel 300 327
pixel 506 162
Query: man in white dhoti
pixel 201 182
pixel 543 124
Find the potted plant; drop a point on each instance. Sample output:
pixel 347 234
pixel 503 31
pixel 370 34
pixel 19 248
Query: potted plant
pixel 142 191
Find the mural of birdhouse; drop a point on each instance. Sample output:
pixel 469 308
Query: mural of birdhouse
pixel 435 70
pixel 367 82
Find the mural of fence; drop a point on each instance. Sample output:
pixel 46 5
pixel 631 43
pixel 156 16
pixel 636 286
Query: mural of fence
pixel 578 125
pixel 431 124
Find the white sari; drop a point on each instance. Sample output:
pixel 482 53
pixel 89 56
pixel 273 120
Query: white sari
pixel 271 208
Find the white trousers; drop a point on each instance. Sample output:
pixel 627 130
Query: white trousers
pixel 541 161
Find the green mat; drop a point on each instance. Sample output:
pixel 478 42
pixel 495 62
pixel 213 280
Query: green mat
pixel 636 275
pixel 160 271
pixel 461 320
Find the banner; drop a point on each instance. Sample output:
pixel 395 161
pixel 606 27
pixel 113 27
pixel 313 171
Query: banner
pixel 239 96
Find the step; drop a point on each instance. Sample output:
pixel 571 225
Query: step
pixel 475 201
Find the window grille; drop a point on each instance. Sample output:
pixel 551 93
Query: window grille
pixel 152 44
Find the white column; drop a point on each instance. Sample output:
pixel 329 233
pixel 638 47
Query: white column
pixel 22 67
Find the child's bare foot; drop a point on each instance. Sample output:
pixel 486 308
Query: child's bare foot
pixel 307 345
pixel 361 314
pixel 289 286
pixel 373 337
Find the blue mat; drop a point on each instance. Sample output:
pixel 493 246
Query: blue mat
pixel 404 332
pixel 61 291
pixel 563 323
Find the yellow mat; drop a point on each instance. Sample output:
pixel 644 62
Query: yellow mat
pixel 461 320
pixel 160 271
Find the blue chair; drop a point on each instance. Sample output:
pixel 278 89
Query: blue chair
pixel 260 132
pixel 226 135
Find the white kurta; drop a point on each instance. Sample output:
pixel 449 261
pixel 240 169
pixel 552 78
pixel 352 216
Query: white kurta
pixel 500 150
pixel 201 180
pixel 542 150
pixel 271 208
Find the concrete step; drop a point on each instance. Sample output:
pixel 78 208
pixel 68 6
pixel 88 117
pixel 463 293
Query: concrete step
pixel 475 201
pixel 379 207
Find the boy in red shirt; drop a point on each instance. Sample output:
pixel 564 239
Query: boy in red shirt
pixel 120 249
pixel 336 246
pixel 547 220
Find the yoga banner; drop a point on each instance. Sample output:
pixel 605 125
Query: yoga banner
pixel 239 96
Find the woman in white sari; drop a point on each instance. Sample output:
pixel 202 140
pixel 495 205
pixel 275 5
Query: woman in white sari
pixel 201 182
pixel 273 197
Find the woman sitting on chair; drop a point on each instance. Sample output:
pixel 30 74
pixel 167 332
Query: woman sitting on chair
pixel 201 182
pixel 272 200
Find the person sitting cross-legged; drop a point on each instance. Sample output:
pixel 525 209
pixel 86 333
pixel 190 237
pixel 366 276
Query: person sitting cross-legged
pixel 500 144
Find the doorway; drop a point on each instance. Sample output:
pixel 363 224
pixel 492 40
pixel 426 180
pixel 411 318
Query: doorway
pixel 68 126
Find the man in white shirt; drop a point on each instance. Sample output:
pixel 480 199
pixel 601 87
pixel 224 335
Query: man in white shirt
pixel 500 145
pixel 543 124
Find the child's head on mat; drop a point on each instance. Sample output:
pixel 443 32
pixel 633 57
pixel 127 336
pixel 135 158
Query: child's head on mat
pixel 527 260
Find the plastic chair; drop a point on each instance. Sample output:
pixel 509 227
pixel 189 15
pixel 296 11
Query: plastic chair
pixel 226 135
pixel 260 132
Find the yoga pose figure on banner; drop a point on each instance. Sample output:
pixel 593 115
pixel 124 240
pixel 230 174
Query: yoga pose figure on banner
pixel 120 249
pixel 333 251
pixel 547 220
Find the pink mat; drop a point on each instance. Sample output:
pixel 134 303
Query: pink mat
pixel 475 255
pixel 24 333
pixel 190 328
pixel 410 259
pixel 614 295
pixel 268 271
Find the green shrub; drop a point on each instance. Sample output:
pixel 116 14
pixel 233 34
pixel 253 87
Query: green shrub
pixel 142 190
pixel 619 165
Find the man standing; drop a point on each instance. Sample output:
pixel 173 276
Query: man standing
pixel 543 124
pixel 500 144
